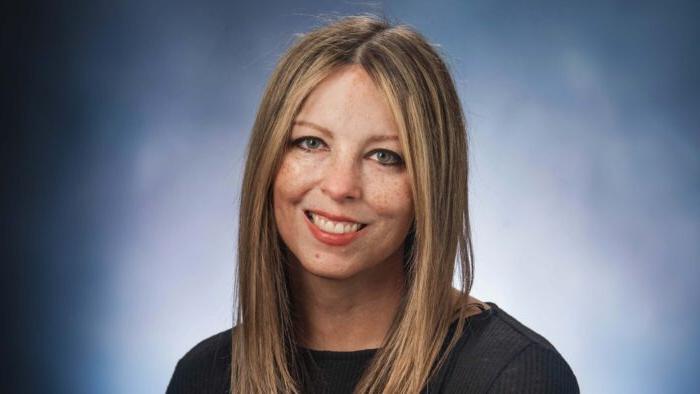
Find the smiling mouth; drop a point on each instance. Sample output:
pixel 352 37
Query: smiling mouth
pixel 331 226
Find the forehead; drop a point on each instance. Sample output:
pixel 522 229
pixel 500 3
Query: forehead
pixel 349 101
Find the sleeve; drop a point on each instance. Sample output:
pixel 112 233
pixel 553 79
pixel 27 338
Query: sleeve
pixel 179 381
pixel 536 369
pixel 206 368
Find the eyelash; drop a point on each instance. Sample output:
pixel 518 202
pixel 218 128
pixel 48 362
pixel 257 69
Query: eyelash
pixel 397 158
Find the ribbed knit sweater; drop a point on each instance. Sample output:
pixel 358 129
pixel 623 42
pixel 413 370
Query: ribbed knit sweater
pixel 495 354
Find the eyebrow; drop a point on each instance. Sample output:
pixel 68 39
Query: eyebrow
pixel 329 134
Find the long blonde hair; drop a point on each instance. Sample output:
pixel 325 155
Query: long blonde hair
pixel 422 96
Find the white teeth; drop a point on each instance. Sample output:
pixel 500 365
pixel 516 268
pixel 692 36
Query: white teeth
pixel 333 227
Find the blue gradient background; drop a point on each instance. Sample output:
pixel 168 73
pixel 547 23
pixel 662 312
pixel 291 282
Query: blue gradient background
pixel 585 178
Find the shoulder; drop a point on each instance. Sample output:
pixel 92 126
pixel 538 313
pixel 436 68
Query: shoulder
pixel 204 368
pixel 498 354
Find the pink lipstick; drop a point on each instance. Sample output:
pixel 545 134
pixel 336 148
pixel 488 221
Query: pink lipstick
pixel 330 238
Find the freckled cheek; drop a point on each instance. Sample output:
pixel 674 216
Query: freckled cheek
pixel 391 197
pixel 294 178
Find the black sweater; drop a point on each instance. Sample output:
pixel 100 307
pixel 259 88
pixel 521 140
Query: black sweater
pixel 495 354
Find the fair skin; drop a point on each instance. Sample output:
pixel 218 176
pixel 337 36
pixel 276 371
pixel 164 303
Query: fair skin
pixel 344 159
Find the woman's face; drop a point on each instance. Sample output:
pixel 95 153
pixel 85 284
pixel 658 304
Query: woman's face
pixel 342 196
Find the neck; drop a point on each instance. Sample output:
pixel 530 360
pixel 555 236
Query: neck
pixel 350 313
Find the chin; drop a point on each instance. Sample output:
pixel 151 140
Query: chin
pixel 328 270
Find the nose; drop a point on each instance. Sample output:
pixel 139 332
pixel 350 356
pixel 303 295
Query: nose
pixel 341 180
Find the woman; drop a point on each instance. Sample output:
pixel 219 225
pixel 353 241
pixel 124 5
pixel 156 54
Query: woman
pixel 353 211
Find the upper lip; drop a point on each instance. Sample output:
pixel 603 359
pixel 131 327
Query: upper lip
pixel 335 218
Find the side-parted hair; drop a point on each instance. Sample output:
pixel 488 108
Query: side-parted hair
pixel 432 131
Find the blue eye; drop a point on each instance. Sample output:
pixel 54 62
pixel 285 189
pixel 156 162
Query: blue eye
pixel 388 158
pixel 384 157
pixel 312 143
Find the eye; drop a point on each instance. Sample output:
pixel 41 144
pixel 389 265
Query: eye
pixel 308 143
pixel 388 158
